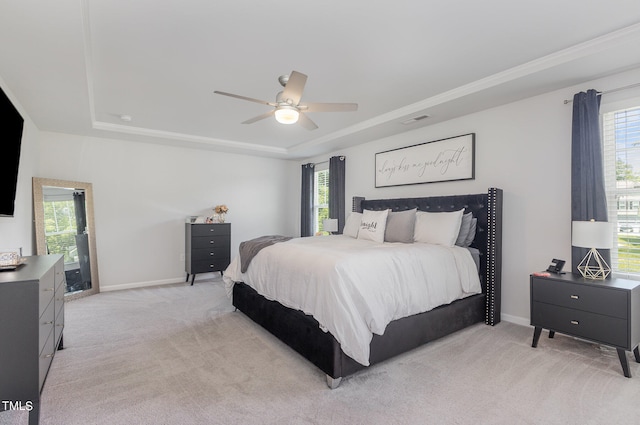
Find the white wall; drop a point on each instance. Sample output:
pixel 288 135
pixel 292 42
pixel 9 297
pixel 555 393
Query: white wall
pixel 16 232
pixel 523 148
pixel 143 193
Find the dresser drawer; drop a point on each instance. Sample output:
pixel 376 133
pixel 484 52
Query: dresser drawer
pixel 210 241
pixel 44 360
pixel 210 229
pixel 61 284
pixel 59 272
pixel 207 266
pixel 596 327
pixel 46 289
pixel 207 254
pixel 59 304
pixel 59 327
pixel 45 325
pixel 595 299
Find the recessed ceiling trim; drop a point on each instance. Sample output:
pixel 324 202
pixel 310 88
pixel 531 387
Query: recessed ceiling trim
pixel 169 135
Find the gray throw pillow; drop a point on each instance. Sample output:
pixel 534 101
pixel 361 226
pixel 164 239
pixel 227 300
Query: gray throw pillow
pixel 465 227
pixel 472 232
pixel 400 226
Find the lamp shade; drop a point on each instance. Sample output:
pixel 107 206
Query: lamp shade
pixel 592 234
pixel 287 114
pixel 330 225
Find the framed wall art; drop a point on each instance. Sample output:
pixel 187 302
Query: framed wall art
pixel 437 161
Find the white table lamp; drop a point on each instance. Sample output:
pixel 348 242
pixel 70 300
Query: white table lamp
pixel 330 225
pixel 592 234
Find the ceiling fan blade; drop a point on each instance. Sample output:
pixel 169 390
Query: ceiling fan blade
pixel 294 87
pixel 329 107
pixel 250 99
pixel 259 117
pixel 306 122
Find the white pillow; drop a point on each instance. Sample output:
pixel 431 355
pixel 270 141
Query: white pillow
pixel 352 224
pixel 372 225
pixel 439 228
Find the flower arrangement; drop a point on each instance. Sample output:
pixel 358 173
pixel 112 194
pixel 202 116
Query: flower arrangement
pixel 221 209
pixel 219 214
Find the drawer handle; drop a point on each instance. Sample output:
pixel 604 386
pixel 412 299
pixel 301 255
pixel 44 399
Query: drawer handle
pixel 212 254
pixel 212 230
pixel 47 289
pixel 60 325
pixel 48 323
pixel 574 297
pixel 48 356
pixel 575 322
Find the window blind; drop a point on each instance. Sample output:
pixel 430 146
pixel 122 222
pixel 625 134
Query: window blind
pixel 621 156
pixel 321 199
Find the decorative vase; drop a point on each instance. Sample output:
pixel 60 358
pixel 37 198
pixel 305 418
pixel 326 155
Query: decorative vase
pixel 218 218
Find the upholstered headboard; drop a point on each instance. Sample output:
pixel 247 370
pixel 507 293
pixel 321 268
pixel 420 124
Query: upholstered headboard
pixel 487 208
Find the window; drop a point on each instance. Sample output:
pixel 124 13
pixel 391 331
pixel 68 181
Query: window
pixel 320 199
pixel 621 139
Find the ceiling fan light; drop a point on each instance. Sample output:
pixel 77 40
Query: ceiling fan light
pixel 287 114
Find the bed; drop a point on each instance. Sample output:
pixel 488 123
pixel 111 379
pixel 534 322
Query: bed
pixel 307 336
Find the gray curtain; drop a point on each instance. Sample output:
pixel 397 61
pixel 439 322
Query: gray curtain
pixel 81 213
pixel 306 205
pixel 336 189
pixel 588 196
pixel 82 240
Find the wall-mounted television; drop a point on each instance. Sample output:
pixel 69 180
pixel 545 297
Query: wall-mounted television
pixel 11 124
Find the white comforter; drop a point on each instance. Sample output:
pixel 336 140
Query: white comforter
pixel 353 287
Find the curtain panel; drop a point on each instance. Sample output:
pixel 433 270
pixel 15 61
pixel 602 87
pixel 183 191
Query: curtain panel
pixel 306 206
pixel 588 196
pixel 81 213
pixel 336 190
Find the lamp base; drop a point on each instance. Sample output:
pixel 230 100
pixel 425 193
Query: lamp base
pixel 593 266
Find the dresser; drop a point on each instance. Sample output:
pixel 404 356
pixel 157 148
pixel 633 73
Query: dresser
pixel 31 325
pixel 605 312
pixel 207 248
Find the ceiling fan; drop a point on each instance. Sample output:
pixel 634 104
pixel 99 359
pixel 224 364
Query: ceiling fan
pixel 287 107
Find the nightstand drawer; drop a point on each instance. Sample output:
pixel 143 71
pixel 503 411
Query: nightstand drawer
pixel 222 241
pixel 594 299
pixel 596 327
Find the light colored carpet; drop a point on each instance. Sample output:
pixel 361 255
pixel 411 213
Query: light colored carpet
pixel 180 355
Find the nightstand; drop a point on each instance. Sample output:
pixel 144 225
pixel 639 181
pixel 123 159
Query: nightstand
pixel 605 312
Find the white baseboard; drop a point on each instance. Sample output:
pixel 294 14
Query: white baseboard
pixel 133 285
pixel 523 321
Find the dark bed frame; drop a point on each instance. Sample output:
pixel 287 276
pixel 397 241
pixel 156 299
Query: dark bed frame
pixel 302 332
